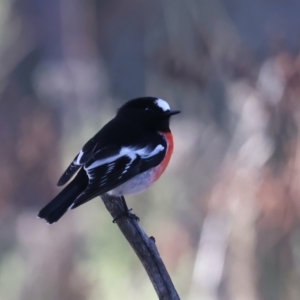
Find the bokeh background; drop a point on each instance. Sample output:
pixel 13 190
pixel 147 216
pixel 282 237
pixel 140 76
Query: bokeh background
pixel 226 213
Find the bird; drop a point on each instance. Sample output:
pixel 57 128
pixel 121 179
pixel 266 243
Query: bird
pixel 126 156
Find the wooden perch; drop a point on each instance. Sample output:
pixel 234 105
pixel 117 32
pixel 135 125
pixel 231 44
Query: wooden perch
pixel 144 247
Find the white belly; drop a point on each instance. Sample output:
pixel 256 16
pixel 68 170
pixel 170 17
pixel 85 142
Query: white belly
pixel 135 185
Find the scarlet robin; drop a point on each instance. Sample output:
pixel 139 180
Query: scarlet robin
pixel 125 157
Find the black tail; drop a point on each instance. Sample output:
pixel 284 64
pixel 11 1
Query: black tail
pixel 54 210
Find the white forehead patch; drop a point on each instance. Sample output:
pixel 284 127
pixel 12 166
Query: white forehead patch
pixel 162 104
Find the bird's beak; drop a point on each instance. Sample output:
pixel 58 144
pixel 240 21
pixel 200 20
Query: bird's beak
pixel 170 113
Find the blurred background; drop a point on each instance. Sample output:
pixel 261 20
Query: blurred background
pixel 226 213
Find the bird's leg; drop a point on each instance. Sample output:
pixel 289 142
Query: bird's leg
pixel 127 212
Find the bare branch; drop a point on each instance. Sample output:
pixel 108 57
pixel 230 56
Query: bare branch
pixel 144 248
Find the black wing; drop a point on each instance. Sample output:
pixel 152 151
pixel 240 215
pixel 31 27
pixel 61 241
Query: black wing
pixel 108 176
pixel 80 159
pixel 108 173
pixel 115 134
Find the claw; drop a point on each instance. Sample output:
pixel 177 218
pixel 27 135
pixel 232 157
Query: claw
pixel 127 214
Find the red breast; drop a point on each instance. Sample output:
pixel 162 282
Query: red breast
pixel 161 168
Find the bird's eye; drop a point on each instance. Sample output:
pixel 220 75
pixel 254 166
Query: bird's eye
pixel 149 109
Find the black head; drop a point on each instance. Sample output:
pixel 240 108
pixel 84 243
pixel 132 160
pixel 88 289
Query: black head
pixel 153 113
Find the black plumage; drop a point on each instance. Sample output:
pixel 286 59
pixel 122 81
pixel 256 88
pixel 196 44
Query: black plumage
pixel 128 145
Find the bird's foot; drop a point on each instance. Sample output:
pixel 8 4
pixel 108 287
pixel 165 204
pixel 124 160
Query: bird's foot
pixel 127 214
